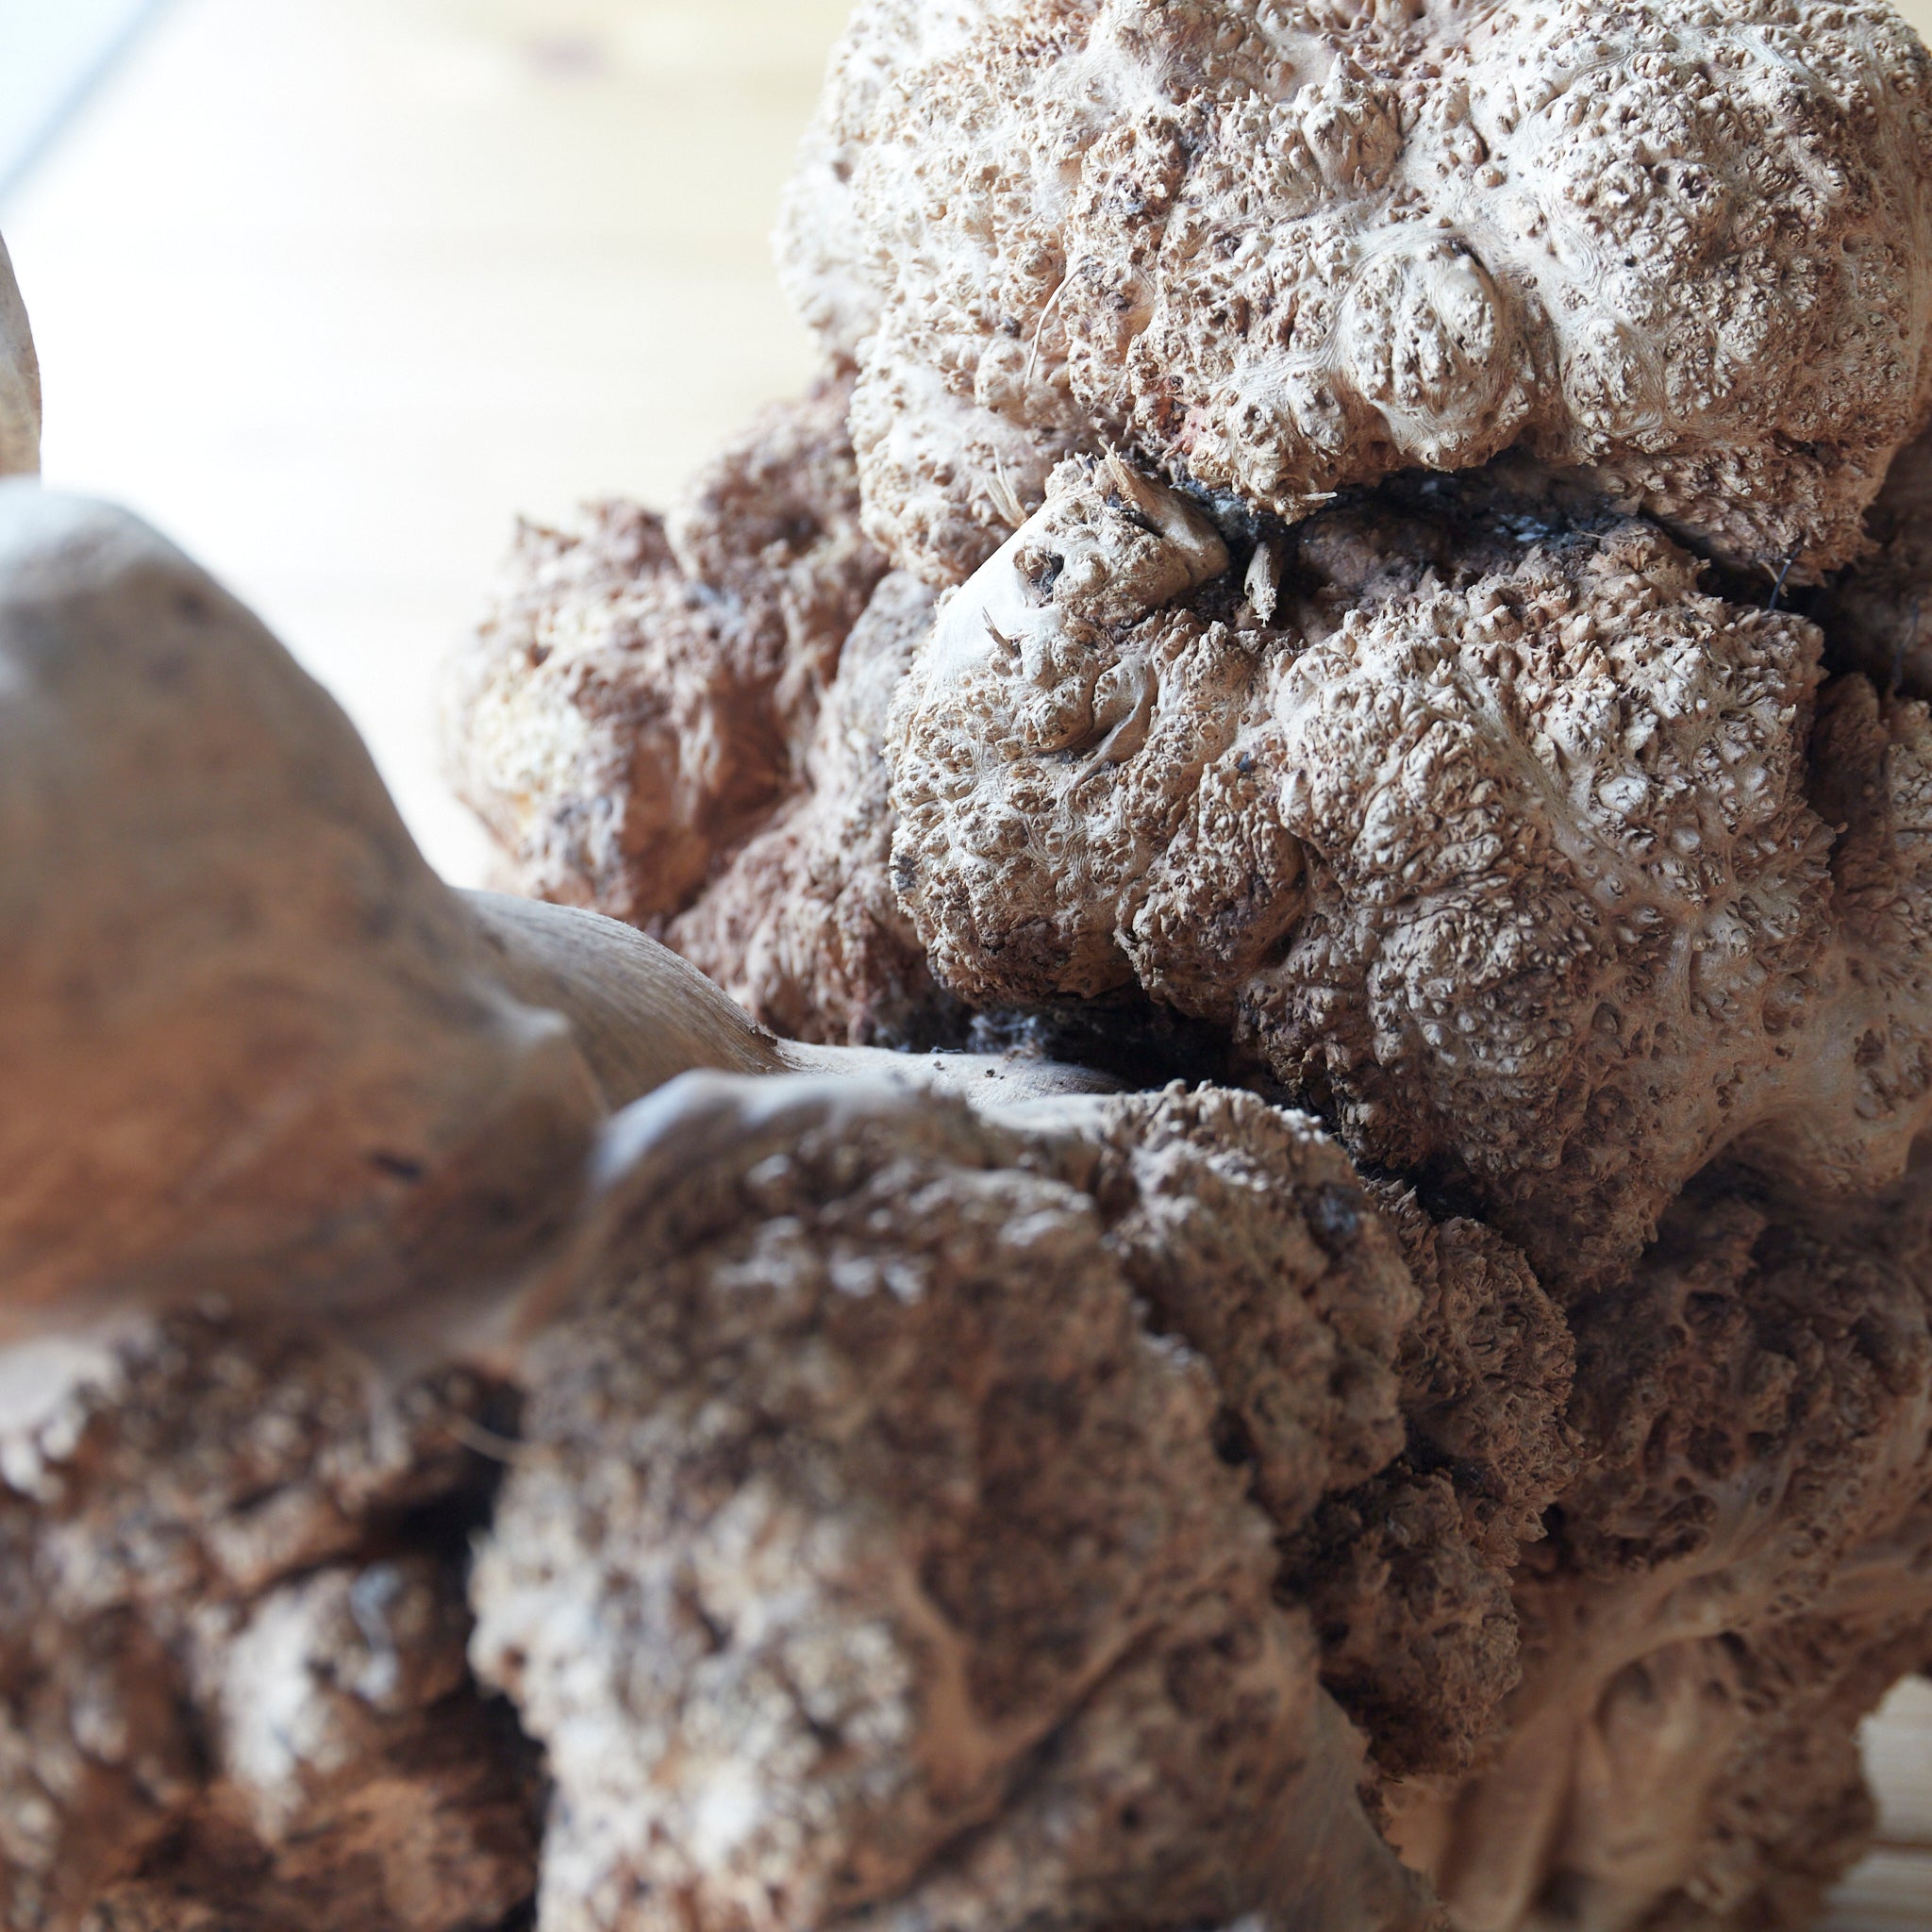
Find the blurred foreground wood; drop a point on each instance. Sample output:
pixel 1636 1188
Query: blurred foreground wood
pixel 331 290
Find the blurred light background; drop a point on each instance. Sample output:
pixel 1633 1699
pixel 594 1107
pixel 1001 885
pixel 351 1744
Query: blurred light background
pixel 332 289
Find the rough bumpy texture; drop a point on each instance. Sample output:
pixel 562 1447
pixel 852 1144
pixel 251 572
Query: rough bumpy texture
pixel 1565 882
pixel 638 701
pixel 1875 618
pixel 802 926
pixel 1247 1234
pixel 1736 1572
pixel 1485 1372
pixel 946 1600
pixel 233 1691
pixel 1285 249
pixel 1409 1575
pixel 1404 1424
pixel 681 725
pixel 1493 835
pixel 1552 871
pixel 957 1495
pixel 849 1578
pixel 1044 747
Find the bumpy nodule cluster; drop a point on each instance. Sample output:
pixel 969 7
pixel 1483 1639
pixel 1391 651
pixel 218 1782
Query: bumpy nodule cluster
pixel 1368 556
pixel 233 1690
pixel 1284 249
pixel 850 1579
pixel 1400 539
pixel 1545 872
pixel 647 685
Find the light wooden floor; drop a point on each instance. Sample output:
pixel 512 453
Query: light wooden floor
pixel 1891 1891
pixel 332 288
